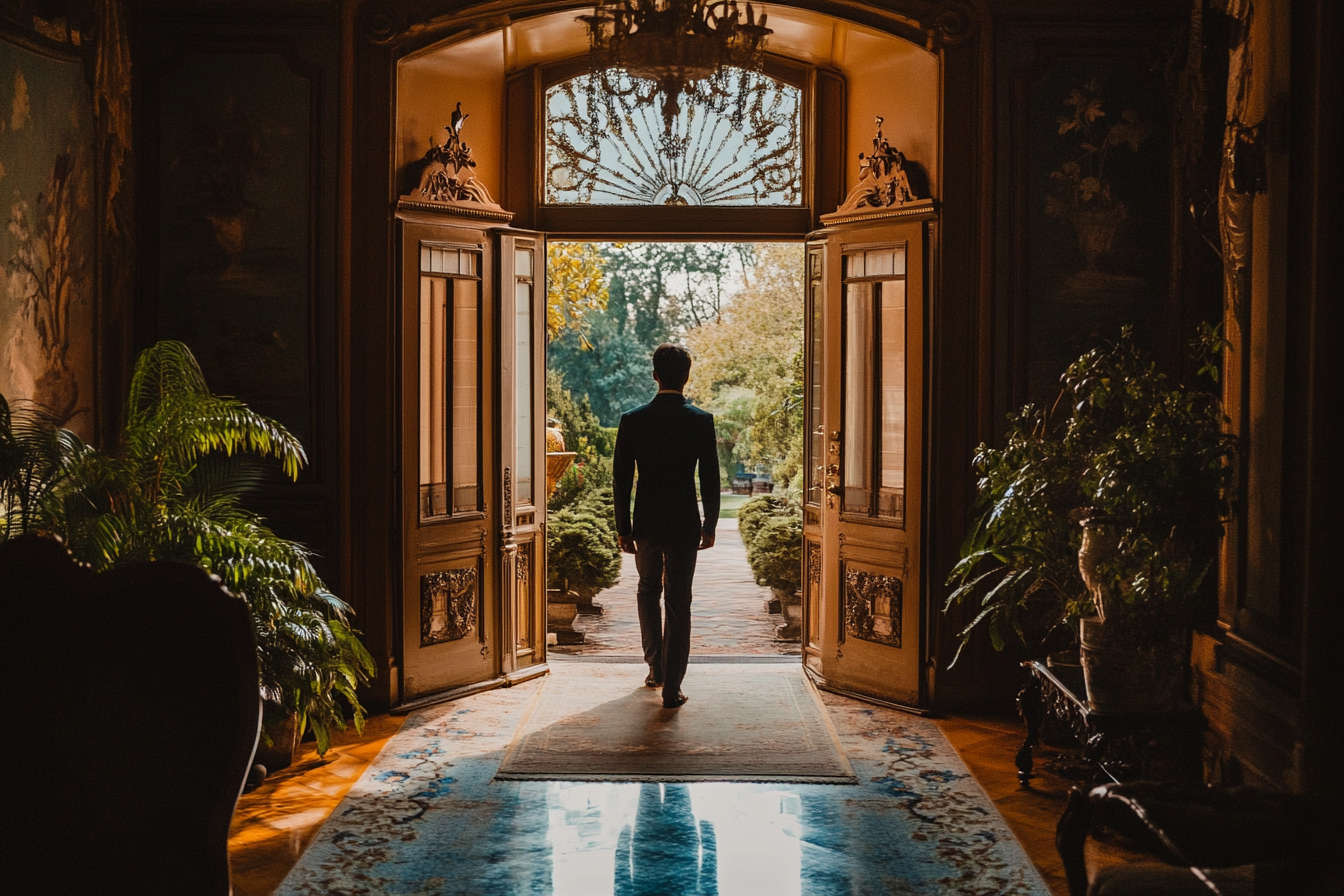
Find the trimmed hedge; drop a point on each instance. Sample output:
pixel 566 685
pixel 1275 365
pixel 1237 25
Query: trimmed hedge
pixel 581 551
pixel 754 512
pixel 772 530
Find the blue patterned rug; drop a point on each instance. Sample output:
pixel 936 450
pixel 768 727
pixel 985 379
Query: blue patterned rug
pixel 428 817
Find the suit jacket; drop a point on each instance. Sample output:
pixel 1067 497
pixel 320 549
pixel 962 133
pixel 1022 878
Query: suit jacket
pixel 665 440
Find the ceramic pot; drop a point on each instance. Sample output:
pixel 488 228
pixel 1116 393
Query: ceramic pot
pixel 791 608
pixel 284 736
pixel 1128 671
pixel 1101 542
pixel 561 608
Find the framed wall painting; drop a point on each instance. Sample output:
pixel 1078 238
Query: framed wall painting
pixel 48 246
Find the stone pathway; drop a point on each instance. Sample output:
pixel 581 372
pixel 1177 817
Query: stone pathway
pixel 728 615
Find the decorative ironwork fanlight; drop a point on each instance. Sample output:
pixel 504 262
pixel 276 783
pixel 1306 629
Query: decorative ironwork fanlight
pixel 742 147
pixel 674 43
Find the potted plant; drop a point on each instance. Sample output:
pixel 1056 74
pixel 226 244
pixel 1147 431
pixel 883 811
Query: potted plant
pixel 170 490
pixel 32 452
pixel 772 530
pixel 1116 510
pixel 582 554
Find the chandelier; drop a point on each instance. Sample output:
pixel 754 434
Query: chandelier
pixel 674 43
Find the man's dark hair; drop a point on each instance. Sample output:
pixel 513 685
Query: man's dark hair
pixel 672 363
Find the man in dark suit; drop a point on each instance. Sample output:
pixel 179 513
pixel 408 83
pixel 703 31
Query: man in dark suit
pixel 665 440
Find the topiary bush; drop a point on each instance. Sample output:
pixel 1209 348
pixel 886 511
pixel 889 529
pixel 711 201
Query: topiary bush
pixel 776 551
pixel 754 512
pixel 587 476
pixel 581 551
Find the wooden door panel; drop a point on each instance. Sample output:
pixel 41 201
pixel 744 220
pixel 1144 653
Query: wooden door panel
pixel 868 452
pixel 522 585
pixel 449 399
pixel 815 458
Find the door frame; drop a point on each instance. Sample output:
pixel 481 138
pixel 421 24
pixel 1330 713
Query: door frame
pixel 377 33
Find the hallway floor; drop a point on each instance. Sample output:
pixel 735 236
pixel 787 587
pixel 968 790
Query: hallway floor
pixel 274 824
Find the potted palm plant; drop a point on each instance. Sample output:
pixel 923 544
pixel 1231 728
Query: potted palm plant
pixel 170 490
pixel 1110 515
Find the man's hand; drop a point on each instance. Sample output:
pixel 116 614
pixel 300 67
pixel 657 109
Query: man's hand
pixel 627 543
pixel 706 541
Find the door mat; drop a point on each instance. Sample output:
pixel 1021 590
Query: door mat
pixel 742 723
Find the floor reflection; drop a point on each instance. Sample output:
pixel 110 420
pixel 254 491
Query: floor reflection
pixel 665 852
pixel 698 839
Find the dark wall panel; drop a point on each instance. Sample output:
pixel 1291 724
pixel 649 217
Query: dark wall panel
pixel 237 131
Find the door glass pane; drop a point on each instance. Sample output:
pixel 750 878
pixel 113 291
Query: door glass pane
pixel 433 399
pixel 891 377
pixel 450 381
pixel 523 380
pixel 858 363
pixel 466 395
pixel 816 445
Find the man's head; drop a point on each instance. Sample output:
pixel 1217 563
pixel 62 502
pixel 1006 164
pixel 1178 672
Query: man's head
pixel 671 365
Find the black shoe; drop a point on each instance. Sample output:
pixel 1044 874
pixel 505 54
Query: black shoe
pixel 652 680
pixel 680 699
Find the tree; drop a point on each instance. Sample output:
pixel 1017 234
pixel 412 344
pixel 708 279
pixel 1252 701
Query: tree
pixel 613 372
pixel 665 288
pixel 755 345
pixel 578 424
pixel 654 291
pixel 575 287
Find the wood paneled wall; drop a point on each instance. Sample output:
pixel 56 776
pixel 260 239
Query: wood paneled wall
pixel 236 131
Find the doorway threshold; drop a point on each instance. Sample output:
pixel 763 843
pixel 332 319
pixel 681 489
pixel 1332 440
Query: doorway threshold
pixel 703 659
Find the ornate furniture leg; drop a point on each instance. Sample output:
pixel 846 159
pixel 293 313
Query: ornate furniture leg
pixel 1029 708
pixel 1070 835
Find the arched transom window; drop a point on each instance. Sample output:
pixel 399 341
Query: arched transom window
pixel 733 140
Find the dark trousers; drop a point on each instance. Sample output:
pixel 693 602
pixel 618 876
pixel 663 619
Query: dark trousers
pixel 666 567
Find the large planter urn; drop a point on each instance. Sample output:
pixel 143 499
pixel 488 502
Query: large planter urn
pixel 1129 671
pixel 284 744
pixel 791 607
pixel 1096 230
pixel 561 609
pixel 1101 543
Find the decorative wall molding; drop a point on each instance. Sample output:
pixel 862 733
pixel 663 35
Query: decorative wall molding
pixel 448 180
pixel 952 23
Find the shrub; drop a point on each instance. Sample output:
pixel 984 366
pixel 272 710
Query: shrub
pixel 586 477
pixel 754 512
pixel 776 552
pixel 1136 450
pixel 581 551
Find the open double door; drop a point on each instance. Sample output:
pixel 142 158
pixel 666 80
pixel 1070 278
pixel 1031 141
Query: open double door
pixel 472 481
